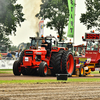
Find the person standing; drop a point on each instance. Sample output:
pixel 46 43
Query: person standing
pixel 9 54
pixel 18 54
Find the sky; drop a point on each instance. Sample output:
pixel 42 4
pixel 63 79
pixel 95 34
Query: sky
pixel 28 27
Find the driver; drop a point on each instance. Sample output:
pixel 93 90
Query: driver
pixel 44 44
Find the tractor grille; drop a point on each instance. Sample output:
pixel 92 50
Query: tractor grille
pixel 30 56
pixel 29 52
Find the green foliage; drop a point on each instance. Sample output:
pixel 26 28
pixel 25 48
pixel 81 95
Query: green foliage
pixel 92 16
pixel 13 48
pixel 10 16
pixel 58 14
pixel 27 46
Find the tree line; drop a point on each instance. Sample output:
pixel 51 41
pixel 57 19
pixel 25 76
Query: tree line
pixel 56 11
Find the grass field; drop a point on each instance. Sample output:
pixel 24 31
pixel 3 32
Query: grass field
pixel 6 71
pixel 50 81
pixel 95 72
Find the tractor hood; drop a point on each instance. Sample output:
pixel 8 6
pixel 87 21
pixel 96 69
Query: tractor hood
pixel 41 51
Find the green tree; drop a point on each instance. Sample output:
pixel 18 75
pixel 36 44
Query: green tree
pixel 58 14
pixel 92 16
pixel 10 17
pixel 13 48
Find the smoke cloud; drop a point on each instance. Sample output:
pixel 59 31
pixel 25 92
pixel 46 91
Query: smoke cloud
pixel 30 9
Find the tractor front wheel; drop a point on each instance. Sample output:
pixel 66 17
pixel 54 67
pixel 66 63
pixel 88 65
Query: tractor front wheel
pixel 67 63
pixel 43 69
pixel 16 68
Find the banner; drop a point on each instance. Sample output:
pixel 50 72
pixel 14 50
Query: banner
pixel 41 27
pixel 71 4
pixel 6 64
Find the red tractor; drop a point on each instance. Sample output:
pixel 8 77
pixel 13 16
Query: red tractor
pixel 91 60
pixel 37 60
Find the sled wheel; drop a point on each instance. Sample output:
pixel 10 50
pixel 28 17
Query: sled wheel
pixel 81 71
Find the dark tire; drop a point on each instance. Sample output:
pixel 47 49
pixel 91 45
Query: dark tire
pixel 21 57
pixel 67 63
pixel 43 69
pixel 52 64
pixel 74 72
pixel 58 63
pixel 23 71
pixel 81 71
pixel 16 68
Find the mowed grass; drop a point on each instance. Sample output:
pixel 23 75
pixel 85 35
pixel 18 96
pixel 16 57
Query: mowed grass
pixel 49 81
pixel 95 72
pixel 6 71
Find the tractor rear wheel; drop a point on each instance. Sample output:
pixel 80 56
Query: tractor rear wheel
pixel 58 63
pixel 67 63
pixel 43 69
pixel 52 64
pixel 16 68
pixel 81 71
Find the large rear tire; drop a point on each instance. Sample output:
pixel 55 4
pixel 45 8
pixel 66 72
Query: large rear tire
pixel 52 64
pixel 16 68
pixel 58 63
pixel 43 69
pixel 67 63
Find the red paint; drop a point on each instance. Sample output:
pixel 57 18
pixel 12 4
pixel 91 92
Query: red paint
pixel 92 36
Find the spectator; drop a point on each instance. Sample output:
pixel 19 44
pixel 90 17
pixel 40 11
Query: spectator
pixel 0 55
pixel 9 54
pixel 17 54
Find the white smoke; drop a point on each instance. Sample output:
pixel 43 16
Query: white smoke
pixel 30 9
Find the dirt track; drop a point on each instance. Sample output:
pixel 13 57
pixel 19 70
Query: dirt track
pixel 12 77
pixel 51 91
pixel 48 91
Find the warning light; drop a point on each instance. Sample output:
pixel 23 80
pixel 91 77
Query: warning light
pixel 82 37
pixel 93 31
pixel 70 39
pixel 63 39
pixel 82 44
pixel 58 36
pixel 42 36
